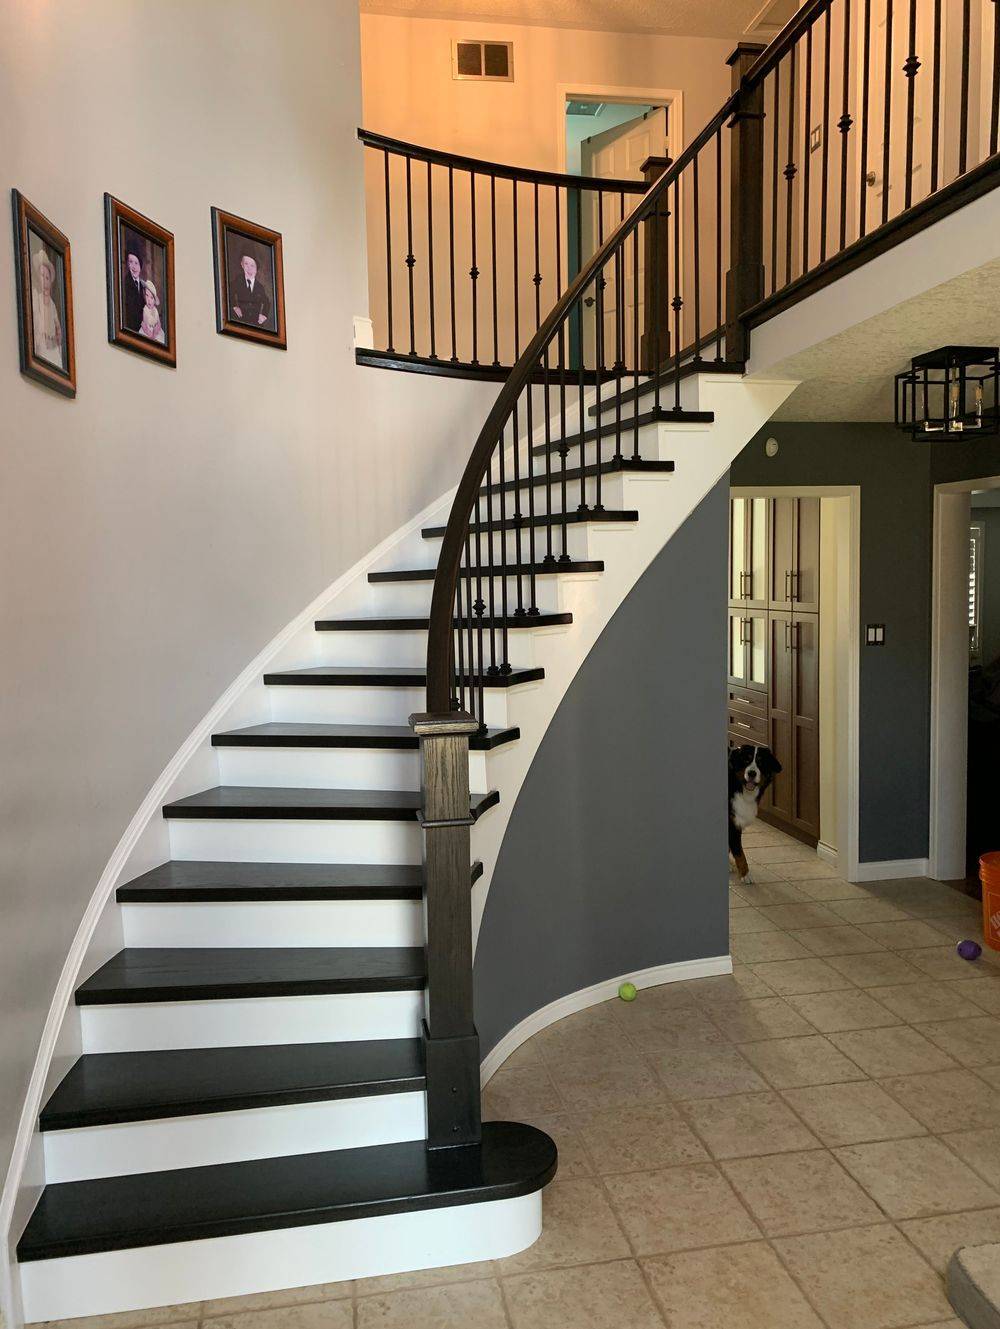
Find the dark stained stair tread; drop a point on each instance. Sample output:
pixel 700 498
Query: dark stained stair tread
pixel 512 621
pixel 140 974
pixel 106 1088
pixel 368 676
pixel 183 882
pixel 610 429
pixel 117 1213
pixel 254 802
pixel 285 734
pixel 553 569
pixel 557 519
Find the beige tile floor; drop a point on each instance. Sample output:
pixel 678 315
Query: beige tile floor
pixel 800 1145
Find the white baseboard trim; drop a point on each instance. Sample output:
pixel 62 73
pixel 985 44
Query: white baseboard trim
pixel 828 854
pixel 891 869
pixel 711 967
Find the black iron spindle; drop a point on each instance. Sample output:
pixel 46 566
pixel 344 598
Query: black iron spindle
pixel 635 342
pixel 887 113
pixel 775 150
pixel 936 100
pixel 910 67
pixel 388 253
pixel 844 123
pixel 790 167
pixel 806 150
pixel 537 276
pixel 517 278
pixel 599 375
pixel 547 428
pixel 504 563
pixel 530 458
pixel 474 270
pixel 451 262
pixel 491 571
pixel 696 274
pixel 825 132
pixel 719 318
pixel 493 250
pixel 963 124
pixel 430 259
pixel 519 608
pixel 995 99
pixel 865 86
pixel 410 259
pixel 677 304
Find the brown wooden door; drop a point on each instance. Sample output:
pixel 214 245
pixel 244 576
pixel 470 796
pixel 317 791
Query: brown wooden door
pixel 747 646
pixel 805 735
pixel 781 712
pixel 782 552
pixel 748 552
pixel 805 570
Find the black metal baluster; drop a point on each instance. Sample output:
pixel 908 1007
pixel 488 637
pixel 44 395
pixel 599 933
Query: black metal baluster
pixel 410 259
pixel 825 131
pixel 657 224
pixel 530 427
pixel 451 261
pixel 910 67
pixel 480 609
pixel 430 258
pixel 581 412
pixel 887 113
pixel 547 426
pixel 518 516
pixel 936 99
pixel 806 154
pixel 493 240
pixel 677 304
pixel 995 101
pixel 636 359
pixel 963 125
pixel 459 645
pixel 474 271
pixel 865 84
pixel 471 628
pixel 599 348
pixel 502 484
pixel 491 576
pixel 775 149
pixel 719 319
pixel 844 123
pixel 388 252
pixel 559 244
pixel 563 450
pixel 537 277
pixel 790 167
pixel 696 231
pixel 517 280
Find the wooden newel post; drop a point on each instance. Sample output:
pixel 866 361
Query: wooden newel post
pixel 451 1044
pixel 745 278
pixel 655 346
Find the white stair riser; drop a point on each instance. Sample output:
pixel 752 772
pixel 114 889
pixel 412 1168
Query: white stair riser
pixel 275 923
pixel 413 598
pixel 577 543
pixel 361 705
pixel 251 1021
pixel 611 492
pixel 287 1257
pixel 393 649
pixel 333 768
pixel 232 1137
pixel 296 841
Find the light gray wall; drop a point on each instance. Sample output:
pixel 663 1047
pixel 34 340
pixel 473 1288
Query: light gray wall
pixel 896 476
pixel 615 856
pixel 156 532
pixel 989 584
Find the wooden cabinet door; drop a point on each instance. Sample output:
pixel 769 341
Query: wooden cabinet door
pixel 781 712
pixel 748 552
pixel 805 571
pixel 738 547
pixel 782 552
pixel 748 649
pixel 805 734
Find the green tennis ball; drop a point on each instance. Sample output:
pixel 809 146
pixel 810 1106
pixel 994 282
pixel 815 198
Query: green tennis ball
pixel 628 992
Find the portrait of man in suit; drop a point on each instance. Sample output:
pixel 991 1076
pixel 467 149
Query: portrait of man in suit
pixel 248 293
pixel 133 293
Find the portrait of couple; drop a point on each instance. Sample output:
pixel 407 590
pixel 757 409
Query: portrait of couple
pixel 141 281
pixel 140 272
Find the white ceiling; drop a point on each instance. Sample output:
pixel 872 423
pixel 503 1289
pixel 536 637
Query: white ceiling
pixel 678 18
pixel 850 376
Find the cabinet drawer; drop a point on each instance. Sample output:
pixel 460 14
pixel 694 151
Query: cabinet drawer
pixel 748 728
pixel 747 704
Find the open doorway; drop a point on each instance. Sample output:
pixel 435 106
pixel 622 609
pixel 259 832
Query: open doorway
pixel 965 678
pixel 793 656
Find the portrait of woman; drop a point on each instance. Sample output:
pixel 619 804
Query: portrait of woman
pixel 44 298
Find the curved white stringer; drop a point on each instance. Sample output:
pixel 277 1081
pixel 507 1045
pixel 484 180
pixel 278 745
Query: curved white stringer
pixel 224 1266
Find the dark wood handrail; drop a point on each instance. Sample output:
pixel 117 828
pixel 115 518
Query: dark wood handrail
pixel 796 27
pixel 500 170
pixel 440 626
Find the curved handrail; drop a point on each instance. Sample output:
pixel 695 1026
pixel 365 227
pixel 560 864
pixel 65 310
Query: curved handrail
pixel 502 171
pixel 440 626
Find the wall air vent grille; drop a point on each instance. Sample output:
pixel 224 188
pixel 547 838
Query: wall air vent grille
pixel 491 62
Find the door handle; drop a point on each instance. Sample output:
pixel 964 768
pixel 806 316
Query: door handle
pixel 744 636
pixel 740 724
pixel 793 585
pixel 788 585
pixel 788 636
pixel 794 634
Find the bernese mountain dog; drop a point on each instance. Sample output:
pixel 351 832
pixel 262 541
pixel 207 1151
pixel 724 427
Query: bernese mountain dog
pixel 751 770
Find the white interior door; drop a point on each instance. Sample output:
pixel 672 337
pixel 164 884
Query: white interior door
pixel 618 154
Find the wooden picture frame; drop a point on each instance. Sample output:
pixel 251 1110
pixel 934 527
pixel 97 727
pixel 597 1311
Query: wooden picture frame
pixel 249 280
pixel 44 281
pixel 140 256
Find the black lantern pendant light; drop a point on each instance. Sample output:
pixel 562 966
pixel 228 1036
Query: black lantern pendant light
pixel 949 392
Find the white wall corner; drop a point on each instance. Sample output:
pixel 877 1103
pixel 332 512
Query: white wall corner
pixel 893 869
pixel 364 333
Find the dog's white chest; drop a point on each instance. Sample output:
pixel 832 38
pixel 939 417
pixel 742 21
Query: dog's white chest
pixel 744 808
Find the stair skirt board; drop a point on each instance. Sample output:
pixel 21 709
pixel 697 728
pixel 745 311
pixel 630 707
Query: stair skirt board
pixel 124 1148
pixel 275 923
pixel 269 1261
pixel 246 1021
pixel 679 971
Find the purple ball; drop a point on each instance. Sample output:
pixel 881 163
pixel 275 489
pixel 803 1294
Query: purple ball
pixel 969 950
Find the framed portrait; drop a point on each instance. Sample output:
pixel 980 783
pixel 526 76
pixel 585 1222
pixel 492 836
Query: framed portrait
pixel 249 280
pixel 44 281
pixel 140 259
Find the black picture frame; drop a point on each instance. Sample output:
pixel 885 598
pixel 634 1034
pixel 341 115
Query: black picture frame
pixel 127 231
pixel 46 345
pixel 264 322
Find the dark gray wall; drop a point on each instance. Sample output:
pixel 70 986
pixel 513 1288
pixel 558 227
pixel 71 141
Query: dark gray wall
pixel 615 856
pixel 896 476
